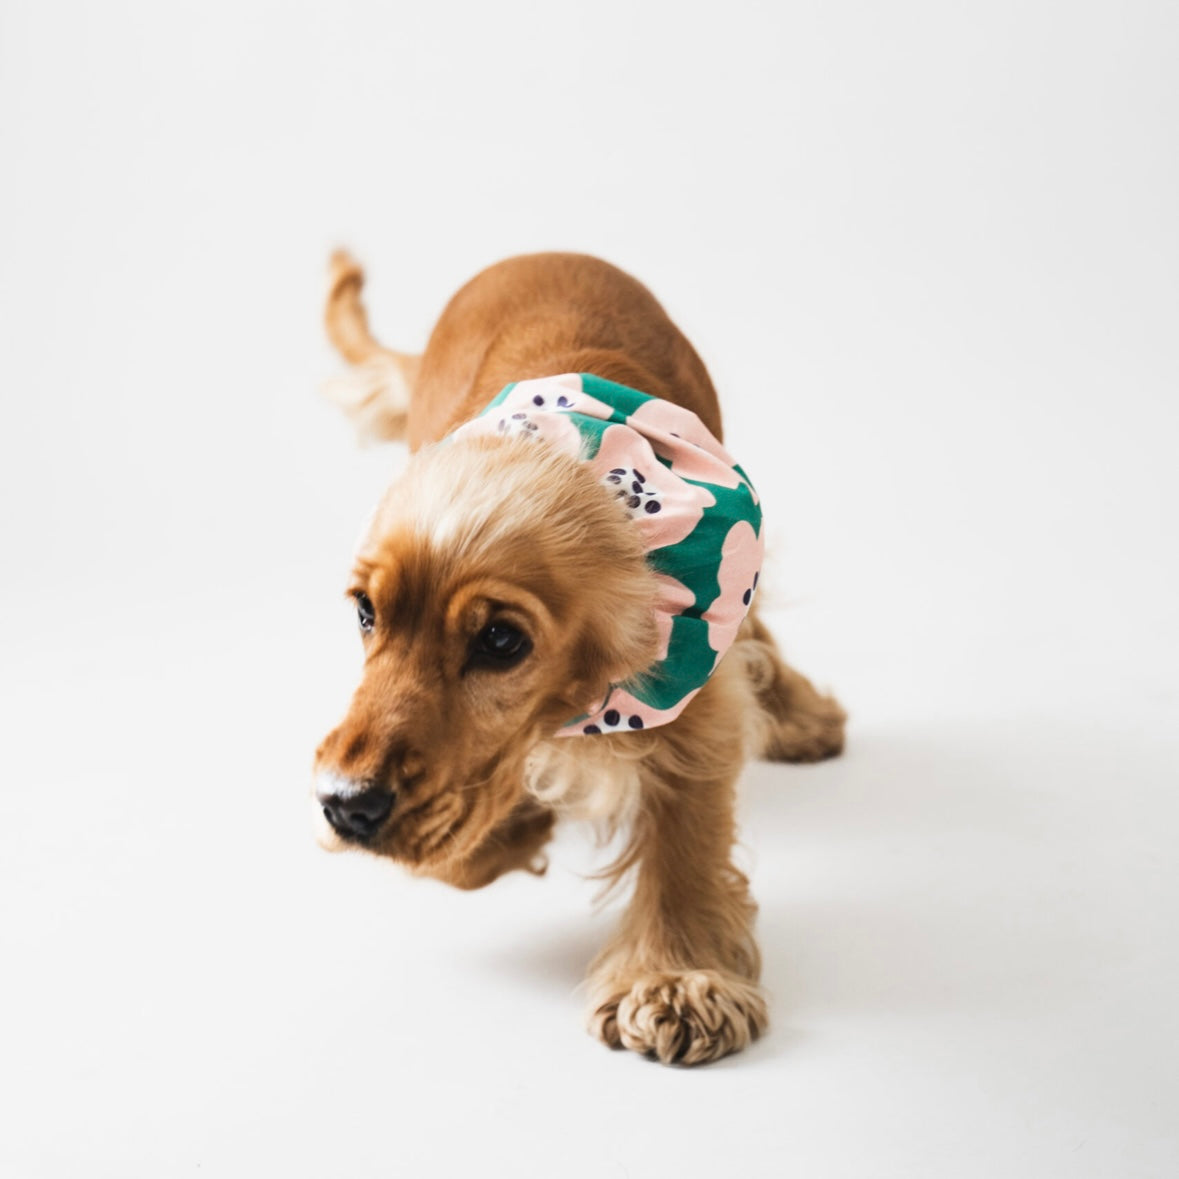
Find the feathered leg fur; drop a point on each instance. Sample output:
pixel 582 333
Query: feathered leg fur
pixel 679 979
pixel 678 982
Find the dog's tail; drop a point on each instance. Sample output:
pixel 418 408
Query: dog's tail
pixel 376 391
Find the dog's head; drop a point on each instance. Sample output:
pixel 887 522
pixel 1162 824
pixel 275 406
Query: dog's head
pixel 500 591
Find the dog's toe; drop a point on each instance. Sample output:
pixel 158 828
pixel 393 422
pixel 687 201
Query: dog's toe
pixel 686 1018
pixel 604 1025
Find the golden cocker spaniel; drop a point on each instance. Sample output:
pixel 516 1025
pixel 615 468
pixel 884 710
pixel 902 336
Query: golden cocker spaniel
pixel 544 597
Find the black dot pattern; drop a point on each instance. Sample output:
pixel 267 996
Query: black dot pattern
pixel 541 401
pixel 638 495
pixel 747 596
pixel 614 721
pixel 519 424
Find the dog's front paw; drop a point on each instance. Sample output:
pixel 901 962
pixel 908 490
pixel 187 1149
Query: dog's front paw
pixel 689 1018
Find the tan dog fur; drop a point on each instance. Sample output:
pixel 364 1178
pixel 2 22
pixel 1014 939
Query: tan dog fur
pixel 491 530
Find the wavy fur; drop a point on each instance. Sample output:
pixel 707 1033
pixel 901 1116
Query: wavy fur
pixel 476 532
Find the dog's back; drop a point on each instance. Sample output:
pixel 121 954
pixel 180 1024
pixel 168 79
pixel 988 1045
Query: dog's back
pixel 530 316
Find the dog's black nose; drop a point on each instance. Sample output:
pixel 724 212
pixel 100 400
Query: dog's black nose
pixel 356 815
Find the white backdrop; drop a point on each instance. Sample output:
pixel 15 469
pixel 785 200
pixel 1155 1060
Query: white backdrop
pixel 930 254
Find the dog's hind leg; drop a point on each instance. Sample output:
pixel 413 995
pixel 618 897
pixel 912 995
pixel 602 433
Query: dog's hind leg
pixel 376 391
pixel 797 723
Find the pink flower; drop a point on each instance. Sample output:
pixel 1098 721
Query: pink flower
pixel 512 418
pixel 741 558
pixel 679 436
pixel 673 598
pixel 664 508
pixel 557 395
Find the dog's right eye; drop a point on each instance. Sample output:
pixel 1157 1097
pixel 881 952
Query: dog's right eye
pixel 365 612
pixel 499 645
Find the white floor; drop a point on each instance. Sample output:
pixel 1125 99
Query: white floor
pixel 930 261
pixel 968 925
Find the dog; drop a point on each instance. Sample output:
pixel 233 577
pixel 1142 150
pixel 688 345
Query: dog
pixel 507 596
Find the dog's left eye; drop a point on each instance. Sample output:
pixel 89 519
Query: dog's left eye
pixel 499 645
pixel 365 613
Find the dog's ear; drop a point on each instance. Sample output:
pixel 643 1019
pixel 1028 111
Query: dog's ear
pixel 596 668
pixel 621 645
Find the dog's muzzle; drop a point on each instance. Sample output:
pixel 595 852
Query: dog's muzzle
pixel 355 810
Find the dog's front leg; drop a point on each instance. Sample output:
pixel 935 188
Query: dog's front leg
pixel 679 980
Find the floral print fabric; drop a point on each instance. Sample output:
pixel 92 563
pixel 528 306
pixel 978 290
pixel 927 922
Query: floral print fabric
pixel 698 514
